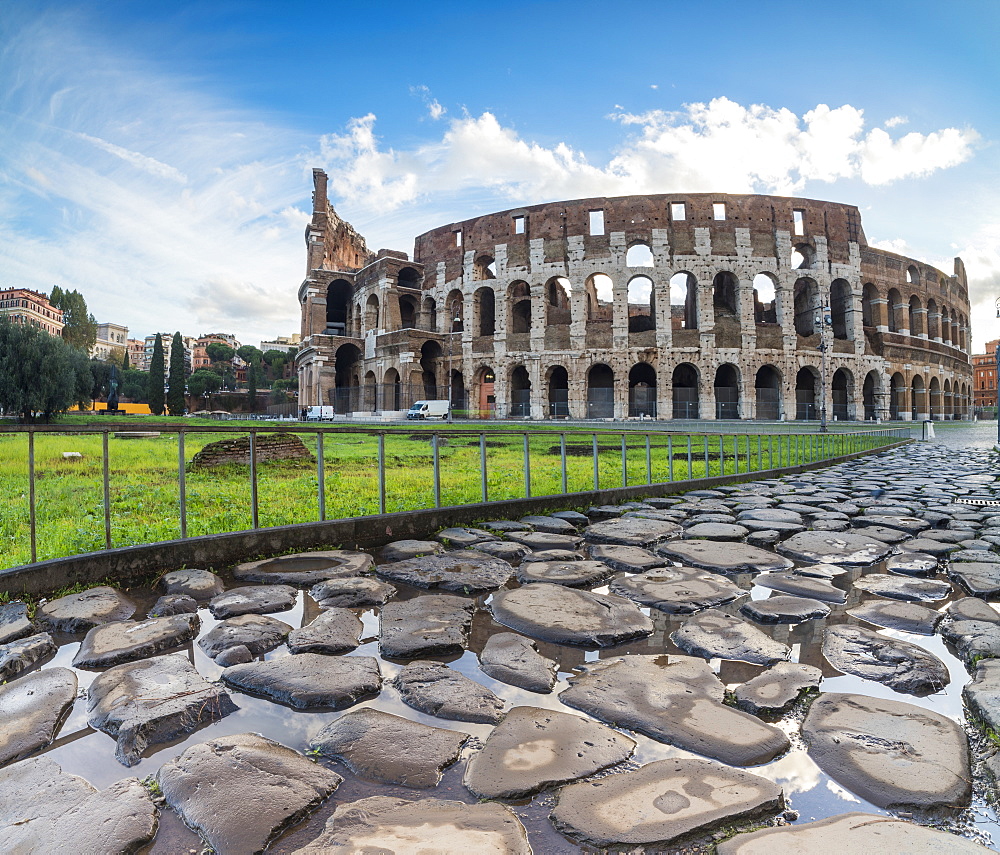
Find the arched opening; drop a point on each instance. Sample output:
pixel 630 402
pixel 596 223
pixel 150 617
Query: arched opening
pixel 936 410
pixel 767 386
pixel 683 301
pixel 338 301
pixel 918 399
pixel 600 392
pixel 454 310
pixel 484 268
pixel 869 315
pixel 724 288
pixel 369 400
pixel 600 294
pixel 558 383
pixel 430 364
pixel 639 255
pixel 916 317
pixel 843 395
pixel 485 396
pixel 765 306
pixel 685 391
pixel 933 320
pixel 840 309
pixel 806 385
pixel 912 275
pixel 805 294
pixel 428 314
pixel 802 257
pixel 346 363
pixel 459 404
pixel 520 393
pixel 485 309
pixel 392 391
pixel 519 301
pixel 897 397
pixel 896 309
pixel 407 312
pixel 641 314
pixel 947 401
pixel 871 396
pixel 642 391
pixel 727 392
pixel 408 277
pixel 557 305
pixel 371 314
pixel 945 326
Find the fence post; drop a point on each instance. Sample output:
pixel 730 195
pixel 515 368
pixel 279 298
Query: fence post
pixel 597 471
pixel 32 522
pixel 181 483
pixel 107 493
pixel 527 469
pixel 482 465
pixel 320 476
pixel 437 469
pixel 562 454
pixel 381 473
pixel 624 463
pixel 649 462
pixel 253 479
pixel 691 460
pixel 670 455
pixel 722 454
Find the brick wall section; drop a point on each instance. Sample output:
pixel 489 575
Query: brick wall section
pixel 279 446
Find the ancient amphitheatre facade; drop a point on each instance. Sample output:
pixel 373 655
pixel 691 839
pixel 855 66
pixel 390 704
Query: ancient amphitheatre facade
pixel 661 306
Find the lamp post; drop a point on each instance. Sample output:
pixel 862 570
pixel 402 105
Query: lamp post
pixel 824 320
pixel 455 319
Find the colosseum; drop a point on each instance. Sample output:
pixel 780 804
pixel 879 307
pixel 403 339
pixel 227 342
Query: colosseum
pixel 709 306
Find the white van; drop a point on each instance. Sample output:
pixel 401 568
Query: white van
pixel 319 414
pixel 428 410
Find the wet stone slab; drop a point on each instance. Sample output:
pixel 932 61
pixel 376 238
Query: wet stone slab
pixel 980 579
pixel 626 559
pixel 502 549
pixel 438 826
pixel 677 590
pixel 907 617
pixel 662 802
pixel 677 702
pixel 972 639
pixel 784 610
pixel 140 704
pixel 631 531
pixel 713 634
pixel 379 746
pixel 404 550
pixel 536 541
pixel 972 608
pixel 572 574
pixel 237 792
pixel 125 641
pixel 514 659
pixel 20 655
pixel 173 604
pixel 436 624
pixel 715 531
pixel 912 564
pixel 45 810
pixel 309 680
pixel 570 616
pixel 305 569
pixel 252 600
pixel 334 631
pixel 438 690
pixel 200 585
pixel 551 525
pixel 903 588
pixel 534 748
pixel 351 593
pixel 463 571
pixel 83 611
pixel 463 538
pixel 257 633
pixel 722 557
pixel 33 709
pixel 898 664
pixel 845 548
pixel 889 752
pixel 775 690
pixel 982 695
pixel 14 622
pixel 937 548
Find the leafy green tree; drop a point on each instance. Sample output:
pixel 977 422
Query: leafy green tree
pixel 154 393
pixel 250 354
pixel 219 352
pixel 39 374
pixel 134 385
pixel 272 354
pixel 176 377
pixel 80 327
pixel 125 360
pixel 204 380
pixel 252 370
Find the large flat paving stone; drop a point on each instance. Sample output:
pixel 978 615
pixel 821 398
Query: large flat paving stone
pixel 828 547
pixel 147 703
pixel 980 579
pixel 626 559
pixel 537 541
pixel 677 590
pixel 173 604
pixel 333 631
pixel 801 585
pixel 783 609
pixel 33 709
pixel 435 624
pixel 45 810
pixel 252 600
pixel 304 569
pixel 982 695
pixel 722 557
pixel 309 680
pixel 850 834
pixel 403 550
pixel 534 748
pixel 898 664
pixel 83 611
pixel 775 690
pixel 570 616
pixel 679 703
pixel 929 546
pixel 14 622
pixel 552 525
pixel 125 641
pixel 632 531
pixel 464 571
pixel 436 689
pixel 972 639
pixel 463 538
pixel 383 747
pixel 903 587
pixel 662 802
pixel 18 656
pixel 713 634
pixel 889 752
pixel 257 633
pixel 200 585
pixel 238 792
pixel 972 608
pixel 894 614
pixel 912 564
pixel 352 592
pixel 514 659
pixel 908 524
pixel 572 574
pixel 383 824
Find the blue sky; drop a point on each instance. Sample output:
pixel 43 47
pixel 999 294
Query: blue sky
pixel 158 156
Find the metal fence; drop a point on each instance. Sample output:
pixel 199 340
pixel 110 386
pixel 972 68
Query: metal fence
pixel 571 460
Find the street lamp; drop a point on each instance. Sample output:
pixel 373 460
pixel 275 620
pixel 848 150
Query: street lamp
pixel 456 319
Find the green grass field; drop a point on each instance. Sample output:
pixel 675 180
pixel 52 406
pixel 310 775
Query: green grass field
pixel 144 494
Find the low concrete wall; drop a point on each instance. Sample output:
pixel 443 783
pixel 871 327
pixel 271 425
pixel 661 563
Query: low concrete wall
pixel 132 564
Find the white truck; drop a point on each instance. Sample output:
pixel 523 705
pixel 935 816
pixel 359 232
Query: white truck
pixel 428 410
pixel 319 414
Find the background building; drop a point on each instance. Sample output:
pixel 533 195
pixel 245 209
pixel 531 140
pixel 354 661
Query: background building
pixel 24 306
pixel 111 339
pixel 284 343
pixel 137 354
pixel 984 367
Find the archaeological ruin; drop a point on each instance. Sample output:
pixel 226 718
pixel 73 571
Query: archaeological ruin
pixel 668 306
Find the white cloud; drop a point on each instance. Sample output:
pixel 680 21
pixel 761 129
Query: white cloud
pixel 896 121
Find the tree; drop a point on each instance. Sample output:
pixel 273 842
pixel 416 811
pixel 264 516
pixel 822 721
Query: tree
pixel 219 352
pixel 39 373
pixel 176 377
pixel 203 380
pixel 249 354
pixel 134 385
pixel 79 326
pixel 155 391
pixel 125 360
pixel 252 386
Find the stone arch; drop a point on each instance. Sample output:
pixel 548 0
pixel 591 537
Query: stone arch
pixel 600 391
pixel 869 311
pixel 912 275
pixel 807 394
pixel 935 404
pixel 641 304
pixel 642 391
pixel 895 309
pixel 558 311
pixel 484 392
pixel 430 365
pixel 683 301
pixel 557 381
pixel 428 314
pixel 685 381
pixel 945 326
pixel 369 398
pixel 765 302
pixel 519 302
pixel 871 395
pixel 727 391
pixel 372 313
pixel 802 257
pixel 520 392
pixel 484 311
pixel 339 295
pixel 933 320
pixel 948 400
pixel 725 288
pixel 842 389
pixel 408 312
pixel 897 396
pixel 484 267
pixel 600 296
pixel 346 364
pixel 916 317
pixel 805 299
pixel 392 390
pixel 767 387
pixel 639 254
pixel 408 277
pixel 454 308
pixel 918 399
pixel 841 317
pixel 456 392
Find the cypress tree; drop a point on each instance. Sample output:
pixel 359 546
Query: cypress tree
pixel 125 364
pixel 155 393
pixel 252 387
pixel 176 377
